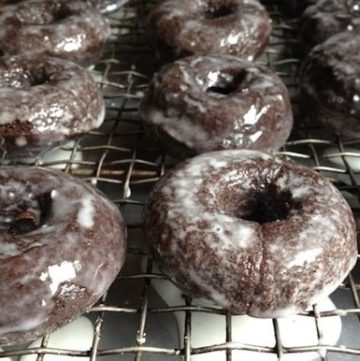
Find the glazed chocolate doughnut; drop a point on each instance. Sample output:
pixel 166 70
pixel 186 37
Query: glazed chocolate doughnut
pixel 188 27
pixel 105 6
pixel 329 84
pixel 327 18
pixel 44 102
pixel 62 243
pixel 68 29
pixel 198 104
pixel 252 233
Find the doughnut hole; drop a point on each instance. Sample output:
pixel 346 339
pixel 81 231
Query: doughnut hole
pixel 25 79
pixel 267 205
pixel 219 9
pixel 224 83
pixel 25 216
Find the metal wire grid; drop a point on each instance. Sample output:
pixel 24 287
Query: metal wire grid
pixel 121 162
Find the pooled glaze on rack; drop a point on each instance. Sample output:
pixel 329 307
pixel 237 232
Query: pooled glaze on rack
pixel 68 29
pixel 255 234
pixel 61 245
pixel 43 102
pixel 205 103
pixel 330 84
pixel 327 18
pixel 187 27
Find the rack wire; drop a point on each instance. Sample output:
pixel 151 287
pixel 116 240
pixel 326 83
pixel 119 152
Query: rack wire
pixel 120 161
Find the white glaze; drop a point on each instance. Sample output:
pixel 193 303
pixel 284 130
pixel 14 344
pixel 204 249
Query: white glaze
pixel 60 267
pixel 86 213
pixel 288 269
pixel 55 113
pixel 57 274
pixel 296 331
pixel 202 120
pixel 243 34
pixel 68 38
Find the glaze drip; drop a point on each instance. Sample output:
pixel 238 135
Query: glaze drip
pixel 58 252
pixel 253 233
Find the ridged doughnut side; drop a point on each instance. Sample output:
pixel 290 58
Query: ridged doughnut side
pixel 233 27
pixel 327 18
pixel 250 232
pixel 205 103
pixel 73 30
pixel 62 243
pixel 330 85
pixel 45 101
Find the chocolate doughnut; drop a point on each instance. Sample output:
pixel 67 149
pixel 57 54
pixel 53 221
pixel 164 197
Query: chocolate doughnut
pixel 188 27
pixel 254 234
pixel 198 104
pixel 44 102
pixel 68 29
pixel 327 18
pixel 62 243
pixel 330 86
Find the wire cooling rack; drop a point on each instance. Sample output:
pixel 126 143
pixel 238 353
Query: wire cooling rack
pixel 122 163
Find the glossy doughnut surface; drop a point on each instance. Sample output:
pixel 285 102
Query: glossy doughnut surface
pixel 188 27
pixel 327 18
pixel 254 234
pixel 203 103
pixel 330 84
pixel 43 102
pixel 62 243
pixel 69 29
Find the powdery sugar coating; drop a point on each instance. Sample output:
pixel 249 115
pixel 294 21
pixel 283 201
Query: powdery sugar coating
pixel 61 246
pixel 327 18
pixel 68 29
pixel 43 102
pixel 330 84
pixel 199 104
pixel 201 228
pixel 187 27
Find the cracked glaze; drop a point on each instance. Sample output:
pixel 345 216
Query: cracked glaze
pixel 198 227
pixel 199 104
pixel 43 102
pixel 61 246
pixel 330 84
pixel 187 27
pixel 327 18
pixel 68 29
